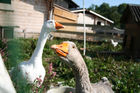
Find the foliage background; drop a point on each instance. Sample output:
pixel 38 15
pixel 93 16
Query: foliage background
pixel 112 12
pixel 122 72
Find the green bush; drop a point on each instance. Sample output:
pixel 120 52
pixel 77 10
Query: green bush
pixel 123 73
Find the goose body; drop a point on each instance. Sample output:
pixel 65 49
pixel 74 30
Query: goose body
pixel 6 85
pixel 69 53
pixel 114 43
pixel 33 70
pixel 61 89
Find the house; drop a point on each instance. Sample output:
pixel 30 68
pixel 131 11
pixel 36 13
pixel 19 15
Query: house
pixel 131 20
pixel 73 21
pixel 22 18
pixel 91 18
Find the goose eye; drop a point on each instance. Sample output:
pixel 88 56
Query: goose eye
pixel 73 46
pixel 50 22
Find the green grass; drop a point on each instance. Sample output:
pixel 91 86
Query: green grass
pixel 123 73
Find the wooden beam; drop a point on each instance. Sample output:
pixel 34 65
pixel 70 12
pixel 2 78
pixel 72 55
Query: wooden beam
pixel 50 8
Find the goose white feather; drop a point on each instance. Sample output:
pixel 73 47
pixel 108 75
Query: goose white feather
pixel 114 43
pixel 6 85
pixel 33 69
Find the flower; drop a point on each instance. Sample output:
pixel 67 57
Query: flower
pixel 50 68
pixel 53 74
pixel 38 81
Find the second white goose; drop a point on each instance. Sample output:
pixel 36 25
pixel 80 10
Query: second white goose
pixel 33 70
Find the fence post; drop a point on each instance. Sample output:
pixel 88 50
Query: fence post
pixel 84 52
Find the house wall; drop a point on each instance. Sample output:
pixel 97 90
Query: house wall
pixel 103 22
pixel 90 19
pixel 27 15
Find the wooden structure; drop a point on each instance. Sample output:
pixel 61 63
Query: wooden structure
pixel 101 33
pixel 74 28
pixel 131 19
pixel 64 15
pixel 92 17
pixel 22 18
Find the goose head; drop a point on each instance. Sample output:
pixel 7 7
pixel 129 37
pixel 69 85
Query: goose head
pixel 68 52
pixel 52 25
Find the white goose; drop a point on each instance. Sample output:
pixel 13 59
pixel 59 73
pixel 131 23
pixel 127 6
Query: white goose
pixel 33 69
pixel 6 85
pixel 69 53
pixel 114 43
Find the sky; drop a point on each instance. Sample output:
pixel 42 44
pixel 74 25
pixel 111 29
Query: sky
pixel 110 2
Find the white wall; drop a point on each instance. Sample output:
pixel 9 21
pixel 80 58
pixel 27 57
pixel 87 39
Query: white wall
pixel 89 19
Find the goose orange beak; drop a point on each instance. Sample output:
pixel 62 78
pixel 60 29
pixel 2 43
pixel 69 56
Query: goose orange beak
pixel 58 25
pixel 61 49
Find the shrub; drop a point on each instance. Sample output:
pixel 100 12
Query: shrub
pixel 123 73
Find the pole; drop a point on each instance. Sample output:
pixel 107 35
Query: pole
pixel 84 52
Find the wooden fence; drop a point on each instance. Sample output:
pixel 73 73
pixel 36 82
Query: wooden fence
pixel 93 32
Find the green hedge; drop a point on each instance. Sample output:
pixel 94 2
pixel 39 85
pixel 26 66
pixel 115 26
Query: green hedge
pixel 123 73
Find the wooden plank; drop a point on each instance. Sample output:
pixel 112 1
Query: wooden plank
pixel 64 13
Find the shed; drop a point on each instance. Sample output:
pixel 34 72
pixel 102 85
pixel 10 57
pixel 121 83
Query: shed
pixel 91 18
pixel 131 20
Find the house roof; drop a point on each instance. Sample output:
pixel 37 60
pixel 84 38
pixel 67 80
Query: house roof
pixel 93 13
pixel 73 3
pixel 69 4
pixel 134 11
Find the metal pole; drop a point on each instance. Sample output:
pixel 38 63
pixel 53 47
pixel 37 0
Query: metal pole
pixel 84 52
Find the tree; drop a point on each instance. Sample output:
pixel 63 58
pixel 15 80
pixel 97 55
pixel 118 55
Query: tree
pixel 114 12
pixel 121 8
pixel 92 7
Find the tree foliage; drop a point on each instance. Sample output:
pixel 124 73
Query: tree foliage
pixel 111 12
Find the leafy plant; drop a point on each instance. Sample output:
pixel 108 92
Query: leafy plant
pixel 123 73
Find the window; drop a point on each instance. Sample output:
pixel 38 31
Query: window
pixel 6 32
pixel 5 1
pixel 99 23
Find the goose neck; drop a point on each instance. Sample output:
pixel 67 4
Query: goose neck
pixel 40 45
pixel 83 84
